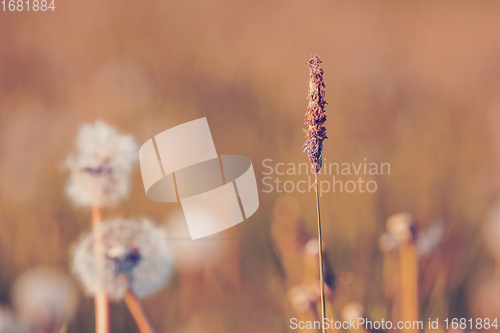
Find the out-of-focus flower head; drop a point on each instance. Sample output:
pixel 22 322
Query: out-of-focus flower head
pixel 353 311
pixel 45 299
pixel 402 227
pixel 306 297
pixel 100 165
pixel 427 241
pixel 135 256
pixel 302 299
pixel 312 247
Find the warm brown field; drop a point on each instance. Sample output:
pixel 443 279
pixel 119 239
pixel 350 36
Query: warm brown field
pixel 413 84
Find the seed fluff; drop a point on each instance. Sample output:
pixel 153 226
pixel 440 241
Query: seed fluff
pixel 135 256
pixel 100 165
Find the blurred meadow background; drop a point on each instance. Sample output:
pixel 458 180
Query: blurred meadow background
pixel 415 84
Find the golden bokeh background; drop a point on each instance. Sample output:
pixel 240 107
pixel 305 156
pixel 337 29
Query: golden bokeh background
pixel 415 84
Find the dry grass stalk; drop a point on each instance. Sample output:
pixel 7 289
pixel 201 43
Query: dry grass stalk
pixel 311 273
pixel 321 276
pixel 315 135
pixel 409 283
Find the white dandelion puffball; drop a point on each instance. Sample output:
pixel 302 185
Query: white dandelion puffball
pixel 353 311
pixel 312 247
pixel 426 243
pixel 45 298
pixel 7 321
pixel 301 299
pixel 100 165
pixel 401 226
pixel 135 256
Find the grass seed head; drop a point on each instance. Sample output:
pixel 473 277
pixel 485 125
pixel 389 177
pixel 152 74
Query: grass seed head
pixel 315 115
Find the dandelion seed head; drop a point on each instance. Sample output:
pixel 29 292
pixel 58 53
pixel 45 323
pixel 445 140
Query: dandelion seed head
pixel 353 311
pixel 402 230
pixel 45 298
pixel 135 256
pixel 306 296
pixel 100 165
pixel 312 247
pixel 302 299
pixel 315 288
pixel 401 226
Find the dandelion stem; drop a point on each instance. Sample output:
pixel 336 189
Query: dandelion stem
pixel 101 301
pixel 138 313
pixel 321 278
pixel 409 284
pixel 64 327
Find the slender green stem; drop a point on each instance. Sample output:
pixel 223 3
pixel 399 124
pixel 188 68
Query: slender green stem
pixel 320 239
